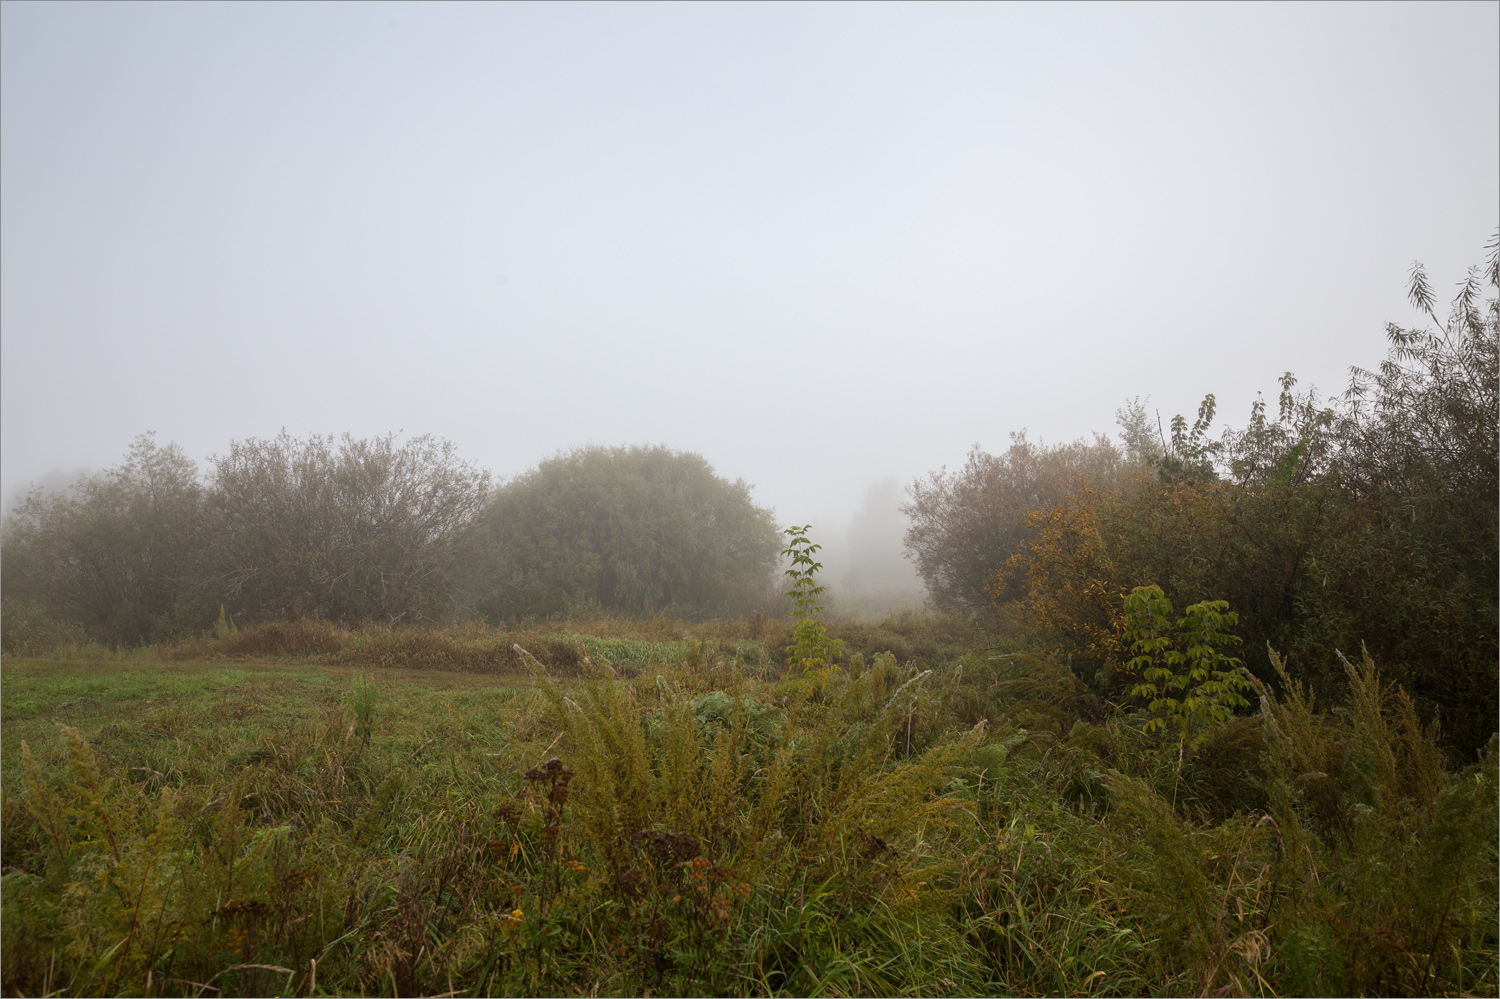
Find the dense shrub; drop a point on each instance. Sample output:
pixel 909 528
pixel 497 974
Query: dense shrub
pixel 116 555
pixel 350 530
pixel 966 524
pixel 629 530
pixel 284 529
pixel 1325 526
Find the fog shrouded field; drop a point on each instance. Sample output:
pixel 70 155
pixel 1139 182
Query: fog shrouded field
pixel 733 500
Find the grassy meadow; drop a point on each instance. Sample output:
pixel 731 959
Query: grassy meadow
pixel 659 808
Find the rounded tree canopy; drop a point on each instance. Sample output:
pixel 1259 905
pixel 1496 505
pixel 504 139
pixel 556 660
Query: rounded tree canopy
pixel 629 530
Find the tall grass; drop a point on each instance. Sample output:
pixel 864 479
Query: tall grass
pixel 686 823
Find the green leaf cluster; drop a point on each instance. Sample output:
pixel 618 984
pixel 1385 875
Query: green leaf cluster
pixel 812 649
pixel 1191 683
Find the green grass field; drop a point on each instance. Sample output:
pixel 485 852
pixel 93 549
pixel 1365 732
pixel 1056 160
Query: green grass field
pixel 202 822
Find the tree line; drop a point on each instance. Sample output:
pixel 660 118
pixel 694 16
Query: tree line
pixel 1369 519
pixel 1326 525
pixel 377 530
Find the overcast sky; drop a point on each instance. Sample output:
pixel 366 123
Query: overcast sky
pixel 819 244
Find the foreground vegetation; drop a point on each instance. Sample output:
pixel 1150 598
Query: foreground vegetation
pixel 283 810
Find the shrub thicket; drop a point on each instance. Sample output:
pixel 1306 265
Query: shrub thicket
pixel 965 524
pixel 349 530
pixel 1370 520
pixel 283 529
pixel 376 531
pixel 640 530
pixel 117 555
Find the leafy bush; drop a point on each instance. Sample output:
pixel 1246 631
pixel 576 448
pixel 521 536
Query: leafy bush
pixel 345 530
pixel 348 530
pixel 117 555
pixel 1370 521
pixel 965 525
pixel 812 651
pixel 634 531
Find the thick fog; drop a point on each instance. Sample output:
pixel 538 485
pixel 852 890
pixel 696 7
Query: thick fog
pixel 829 247
pixel 867 570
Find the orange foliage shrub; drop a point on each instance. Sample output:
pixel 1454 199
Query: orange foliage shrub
pixel 1072 597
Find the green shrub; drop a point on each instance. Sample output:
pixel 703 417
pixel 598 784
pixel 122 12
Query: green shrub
pixel 1190 685
pixel 635 531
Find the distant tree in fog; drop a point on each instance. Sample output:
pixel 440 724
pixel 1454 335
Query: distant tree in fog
pixel 629 530
pixel 117 552
pixel 351 530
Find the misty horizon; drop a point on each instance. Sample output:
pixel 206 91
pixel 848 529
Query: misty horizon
pixel 822 246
